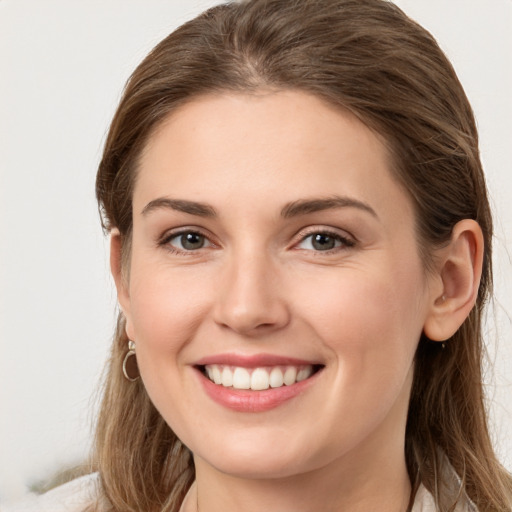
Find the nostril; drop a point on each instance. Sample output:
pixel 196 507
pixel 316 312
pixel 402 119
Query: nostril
pixel 247 306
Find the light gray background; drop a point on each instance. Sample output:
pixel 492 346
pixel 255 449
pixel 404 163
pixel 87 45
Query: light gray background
pixel 62 67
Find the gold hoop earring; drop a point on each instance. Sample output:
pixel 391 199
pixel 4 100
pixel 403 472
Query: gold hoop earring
pixel 130 368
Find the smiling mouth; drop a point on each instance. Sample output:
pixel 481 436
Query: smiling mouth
pixel 260 378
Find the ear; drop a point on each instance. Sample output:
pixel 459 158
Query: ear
pixel 459 269
pixel 120 278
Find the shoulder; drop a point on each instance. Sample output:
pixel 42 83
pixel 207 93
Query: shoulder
pixel 74 496
pixel 424 502
pixel 450 492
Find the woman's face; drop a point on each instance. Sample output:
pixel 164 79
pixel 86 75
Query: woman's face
pixel 273 250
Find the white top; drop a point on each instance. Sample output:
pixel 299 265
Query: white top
pixel 76 495
pixel 73 496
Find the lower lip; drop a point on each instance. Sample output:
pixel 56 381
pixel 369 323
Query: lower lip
pixel 242 400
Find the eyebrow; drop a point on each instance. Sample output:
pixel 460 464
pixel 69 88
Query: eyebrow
pixel 293 209
pixel 305 206
pixel 180 205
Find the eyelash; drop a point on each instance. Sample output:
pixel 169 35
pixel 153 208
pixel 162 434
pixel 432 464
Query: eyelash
pixel 166 239
pixel 345 242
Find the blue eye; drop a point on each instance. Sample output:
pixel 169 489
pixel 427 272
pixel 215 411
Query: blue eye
pixel 188 241
pixel 322 241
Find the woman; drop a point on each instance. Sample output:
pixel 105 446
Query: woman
pixel 301 244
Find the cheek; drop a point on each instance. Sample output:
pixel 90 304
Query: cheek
pixel 371 324
pixel 166 307
pixel 367 315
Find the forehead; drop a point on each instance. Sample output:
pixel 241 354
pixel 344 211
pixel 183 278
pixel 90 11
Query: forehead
pixel 219 147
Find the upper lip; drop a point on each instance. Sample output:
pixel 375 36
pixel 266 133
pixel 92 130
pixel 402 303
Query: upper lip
pixel 253 361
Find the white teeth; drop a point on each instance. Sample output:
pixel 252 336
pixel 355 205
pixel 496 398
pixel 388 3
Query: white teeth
pixel 257 379
pixel 217 377
pixel 290 375
pixel 304 373
pixel 276 378
pixel 227 377
pixel 241 379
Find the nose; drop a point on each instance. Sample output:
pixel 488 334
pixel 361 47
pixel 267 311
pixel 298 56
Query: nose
pixel 250 300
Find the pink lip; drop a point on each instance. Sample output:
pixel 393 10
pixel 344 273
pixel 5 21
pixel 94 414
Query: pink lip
pixel 254 361
pixel 253 401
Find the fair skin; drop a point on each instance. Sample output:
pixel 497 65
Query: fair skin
pixel 269 232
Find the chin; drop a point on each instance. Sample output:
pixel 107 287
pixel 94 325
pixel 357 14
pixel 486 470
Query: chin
pixel 256 467
pixel 259 459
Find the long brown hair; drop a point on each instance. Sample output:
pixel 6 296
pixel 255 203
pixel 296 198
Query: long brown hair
pixel 368 57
